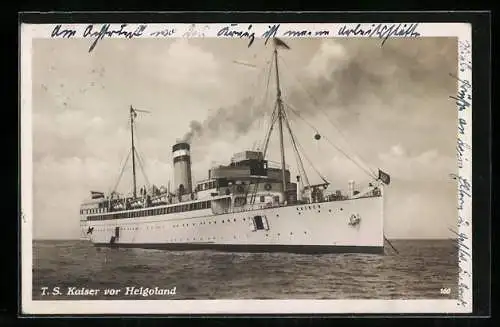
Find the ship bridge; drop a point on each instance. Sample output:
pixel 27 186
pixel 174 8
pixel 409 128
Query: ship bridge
pixel 247 166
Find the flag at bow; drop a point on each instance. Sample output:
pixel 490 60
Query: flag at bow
pixel 384 177
pixel 279 43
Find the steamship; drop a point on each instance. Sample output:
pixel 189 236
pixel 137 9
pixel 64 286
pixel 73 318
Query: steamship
pixel 248 205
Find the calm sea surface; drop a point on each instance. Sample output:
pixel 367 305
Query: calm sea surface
pixel 420 270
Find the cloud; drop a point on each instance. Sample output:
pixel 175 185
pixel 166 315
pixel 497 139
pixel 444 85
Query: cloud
pixel 182 65
pixel 425 166
pixel 419 209
pixel 332 56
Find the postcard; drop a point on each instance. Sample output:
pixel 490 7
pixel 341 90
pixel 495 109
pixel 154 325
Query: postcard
pixel 266 168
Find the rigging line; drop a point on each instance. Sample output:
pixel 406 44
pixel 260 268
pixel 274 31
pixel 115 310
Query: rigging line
pixel 121 172
pixel 301 165
pixel 269 72
pixel 255 103
pixel 268 136
pixel 371 174
pixel 127 126
pixel 257 86
pixel 139 156
pixel 302 172
pixel 310 162
pixel 266 93
pixel 142 169
pixel 316 104
pixel 268 130
pixel 294 143
pixel 368 171
pixel 274 117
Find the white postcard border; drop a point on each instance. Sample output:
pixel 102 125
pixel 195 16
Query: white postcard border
pixel 464 231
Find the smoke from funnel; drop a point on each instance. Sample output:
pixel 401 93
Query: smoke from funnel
pixel 238 118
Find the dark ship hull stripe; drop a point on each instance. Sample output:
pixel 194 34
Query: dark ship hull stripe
pixel 305 249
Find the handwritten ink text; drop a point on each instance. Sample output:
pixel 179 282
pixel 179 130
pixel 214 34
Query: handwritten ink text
pixel 382 31
pixel 464 52
pixel 461 125
pixel 165 32
pixel 105 31
pixel 461 290
pixel 271 32
pixel 227 31
pixel 65 33
pixel 463 249
pixel 306 33
pixel 461 147
pixel 464 94
pixel 193 31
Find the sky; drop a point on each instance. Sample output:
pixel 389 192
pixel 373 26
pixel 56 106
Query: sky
pixel 375 106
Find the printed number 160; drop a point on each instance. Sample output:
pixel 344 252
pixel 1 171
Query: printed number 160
pixel 445 291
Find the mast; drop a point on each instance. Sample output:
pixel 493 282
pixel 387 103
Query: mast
pixel 279 104
pixel 132 115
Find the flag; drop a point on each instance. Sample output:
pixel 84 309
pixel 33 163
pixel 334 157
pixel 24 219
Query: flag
pixel 132 111
pixel 278 43
pixel 384 177
pixel 96 195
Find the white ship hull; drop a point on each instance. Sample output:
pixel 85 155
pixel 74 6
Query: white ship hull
pixel 304 228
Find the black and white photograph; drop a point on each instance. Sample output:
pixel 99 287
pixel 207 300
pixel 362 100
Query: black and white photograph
pixel 181 162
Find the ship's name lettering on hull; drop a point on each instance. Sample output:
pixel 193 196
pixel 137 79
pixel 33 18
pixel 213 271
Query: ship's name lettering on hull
pixel 382 31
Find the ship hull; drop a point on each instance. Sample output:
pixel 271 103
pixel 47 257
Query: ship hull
pixel 249 248
pixel 354 225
